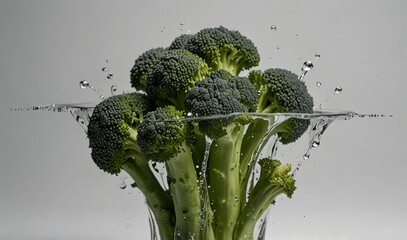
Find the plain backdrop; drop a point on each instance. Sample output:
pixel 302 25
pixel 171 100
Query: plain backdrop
pixel 352 188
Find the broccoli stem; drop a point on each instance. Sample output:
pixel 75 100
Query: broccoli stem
pixel 157 199
pixel 229 60
pixel 251 140
pixel 223 180
pixel 185 193
pixel 262 196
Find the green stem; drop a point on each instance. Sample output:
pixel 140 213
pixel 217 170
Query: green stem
pixel 157 199
pixel 223 179
pixel 184 191
pixel 260 199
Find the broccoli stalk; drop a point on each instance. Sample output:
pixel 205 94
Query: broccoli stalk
pixel 163 139
pixel 274 180
pixel 185 194
pixel 223 179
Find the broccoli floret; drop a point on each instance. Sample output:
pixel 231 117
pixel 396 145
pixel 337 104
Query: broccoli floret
pixel 275 179
pixel 173 74
pixel 222 74
pixel 112 133
pixel 164 139
pixel 215 96
pixel 180 42
pixel 225 49
pixel 282 92
pixel 141 67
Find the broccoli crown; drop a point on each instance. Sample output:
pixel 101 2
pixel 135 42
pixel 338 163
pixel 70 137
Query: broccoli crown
pixel 174 73
pixel 141 67
pixel 226 49
pixel 112 129
pixel 160 138
pixel 222 74
pixel 278 174
pixel 215 96
pixel 247 92
pixel 180 42
pixel 282 92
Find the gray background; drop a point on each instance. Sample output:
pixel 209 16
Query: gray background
pixel 353 187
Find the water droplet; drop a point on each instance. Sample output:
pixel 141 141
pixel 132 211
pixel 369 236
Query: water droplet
pixel 107 60
pixel 315 144
pixel 113 89
pixel 83 84
pixel 273 28
pixel 306 156
pixel 163 30
pixel 102 97
pixel 104 69
pixel 189 114
pixel 317 55
pixel 307 66
pixel 123 184
pixel 278 47
pixel 319 84
pixel 338 90
pixel 109 76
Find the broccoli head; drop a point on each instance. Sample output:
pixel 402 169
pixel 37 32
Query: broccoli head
pixel 180 42
pixel 141 67
pixel 215 96
pixel 112 130
pixel 225 49
pixel 173 74
pixel 282 92
pixel 160 135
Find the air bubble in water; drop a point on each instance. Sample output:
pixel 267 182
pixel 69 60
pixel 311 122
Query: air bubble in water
pixel 189 114
pixel 273 28
pixel 113 89
pixel 83 84
pixel 109 76
pixel 338 90
pixel 319 84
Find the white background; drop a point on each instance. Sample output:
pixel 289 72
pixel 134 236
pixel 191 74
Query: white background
pixel 353 187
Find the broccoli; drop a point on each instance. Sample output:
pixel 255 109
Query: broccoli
pixel 215 96
pixel 275 179
pixel 204 123
pixel 222 48
pixel 180 42
pixel 173 74
pixel 112 133
pixel 162 139
pixel 142 65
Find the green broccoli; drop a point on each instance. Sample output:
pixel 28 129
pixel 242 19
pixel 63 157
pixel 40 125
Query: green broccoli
pixel 204 123
pixel 141 67
pixel 180 42
pixel 163 139
pixel 215 96
pixel 222 48
pixel 173 74
pixel 112 133
pixel 275 179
